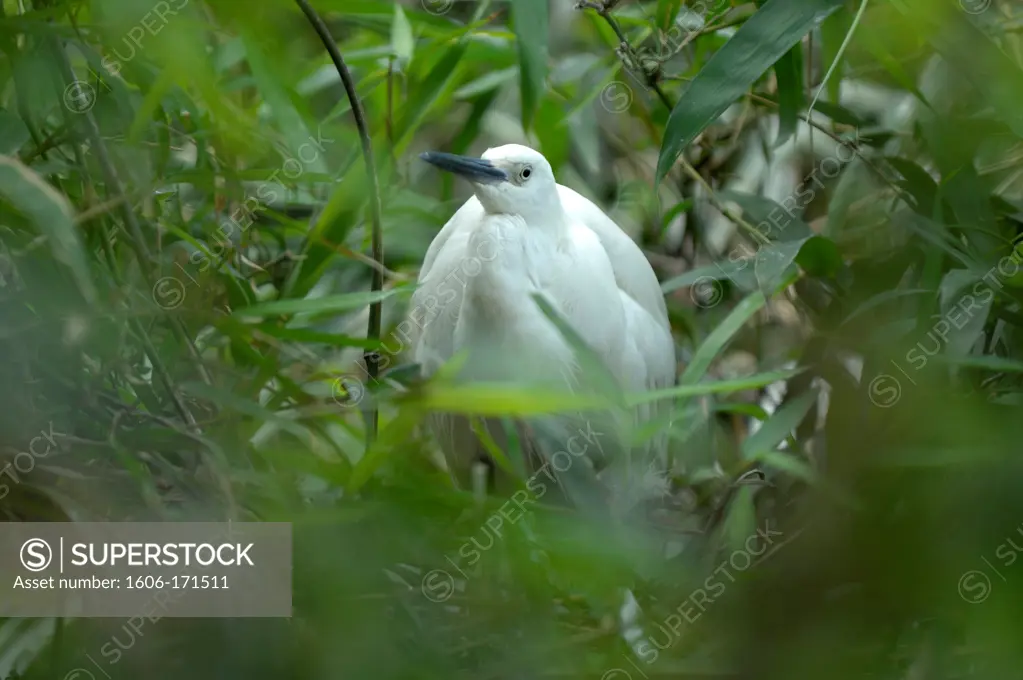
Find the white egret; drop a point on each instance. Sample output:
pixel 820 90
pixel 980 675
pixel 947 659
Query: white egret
pixel 521 234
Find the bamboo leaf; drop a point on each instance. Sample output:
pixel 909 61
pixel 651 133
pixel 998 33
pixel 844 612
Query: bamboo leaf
pixel 756 46
pixel 530 20
pixel 51 214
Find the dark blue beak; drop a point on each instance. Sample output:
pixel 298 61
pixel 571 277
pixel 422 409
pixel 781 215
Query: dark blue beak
pixel 472 169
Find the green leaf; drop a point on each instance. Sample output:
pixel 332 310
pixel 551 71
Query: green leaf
pixel 789 72
pixel 967 49
pixel 756 46
pixel 51 213
pixel 437 86
pixel 252 409
pixel 530 19
pixel 753 382
pixel 667 10
pixel 391 439
pixel 720 337
pixel 792 238
pixel 13 133
pixel 402 40
pixel 328 304
pixel 961 324
pixel 773 261
pixel 819 256
pixel 918 183
pixel 892 65
pixel 966 192
pixel 713 272
pixel 786 462
pixel 833 33
pixel 498 400
pixel 771 219
pixel 780 426
pixel 990 363
pixel 741 522
pixel 272 86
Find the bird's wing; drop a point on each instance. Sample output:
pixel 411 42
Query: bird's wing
pixel 648 361
pixel 469 214
pixel 438 296
pixel 632 270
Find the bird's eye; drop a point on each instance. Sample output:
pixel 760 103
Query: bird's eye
pixel 525 173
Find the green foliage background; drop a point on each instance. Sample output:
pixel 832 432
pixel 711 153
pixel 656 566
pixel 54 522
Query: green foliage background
pixel 185 276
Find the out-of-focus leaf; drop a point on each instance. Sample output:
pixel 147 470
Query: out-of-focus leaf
pixel 530 20
pixel 780 425
pixel 786 463
pixel 438 86
pixel 773 261
pixel 741 521
pixel 391 437
pixel 833 32
pixel 987 362
pixel 322 305
pixel 502 400
pixel 720 337
pixel 966 192
pixel 245 407
pixel 667 10
pixel 966 48
pixel 402 40
pixel 737 270
pixel 717 387
pixel 789 72
pixel 892 65
pixel 51 214
pixel 549 126
pixel 776 222
pixel 486 83
pixel 755 47
pixel 964 312
pixel 274 88
pixel 920 185
pixel 819 256
pixel 13 133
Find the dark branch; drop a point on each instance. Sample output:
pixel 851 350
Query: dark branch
pixel 373 332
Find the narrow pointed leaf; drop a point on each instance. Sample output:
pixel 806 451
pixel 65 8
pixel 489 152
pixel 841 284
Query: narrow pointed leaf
pixel 780 425
pixel 756 46
pixel 789 72
pixel 50 212
pixel 402 40
pixel 531 28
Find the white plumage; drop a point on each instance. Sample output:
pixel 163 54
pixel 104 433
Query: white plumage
pixel 521 234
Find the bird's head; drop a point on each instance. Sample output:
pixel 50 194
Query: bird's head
pixel 510 179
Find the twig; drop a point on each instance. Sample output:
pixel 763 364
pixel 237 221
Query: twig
pixel 719 204
pixel 604 10
pixel 373 331
pixel 52 140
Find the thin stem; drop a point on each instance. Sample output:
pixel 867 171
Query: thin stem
pixel 604 10
pixel 373 331
pixel 838 56
pixel 719 204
